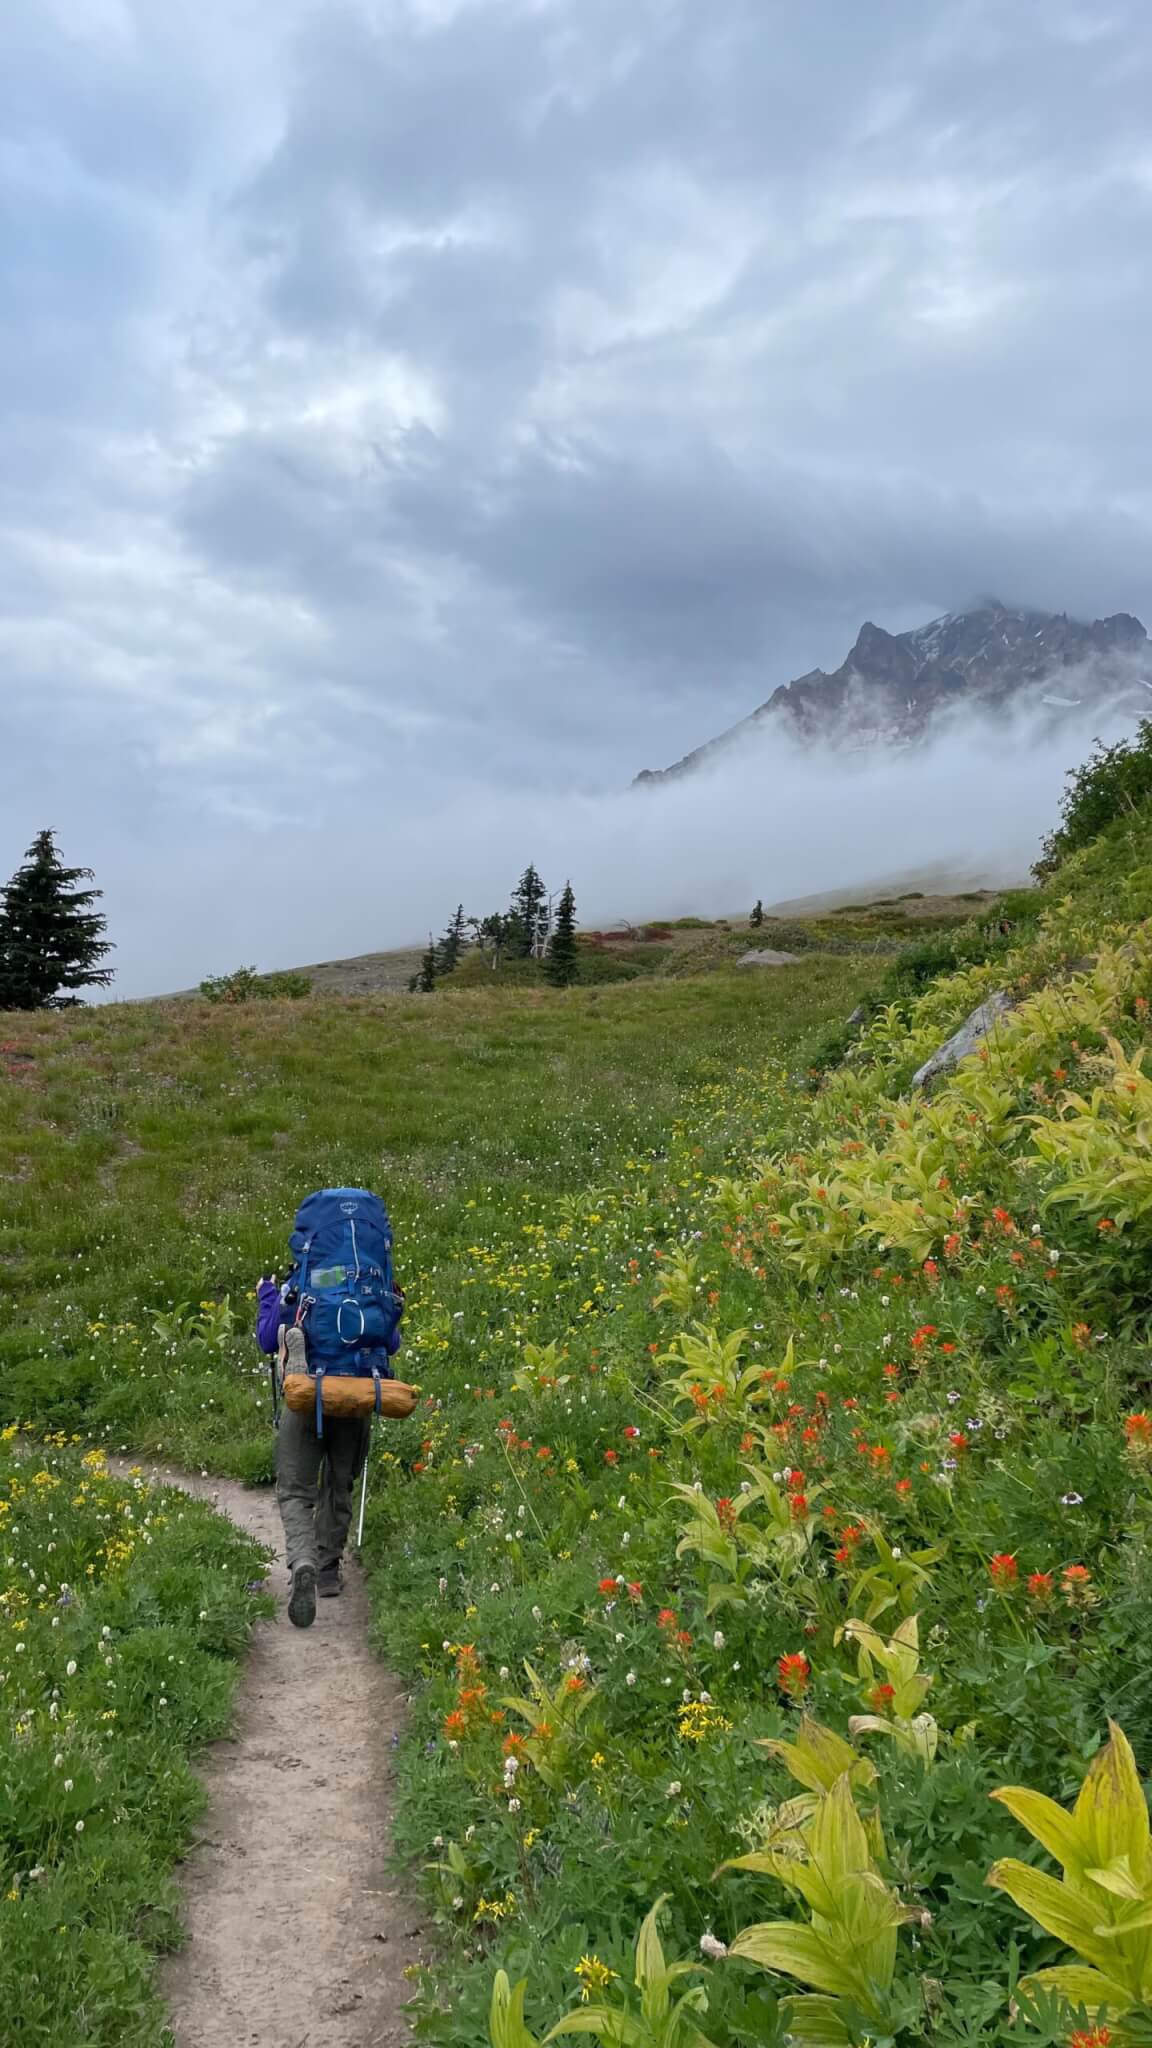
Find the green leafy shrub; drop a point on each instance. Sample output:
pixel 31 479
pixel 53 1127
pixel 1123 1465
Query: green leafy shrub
pixel 1114 782
pixel 244 985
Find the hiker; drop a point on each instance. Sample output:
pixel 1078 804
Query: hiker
pixel 330 1381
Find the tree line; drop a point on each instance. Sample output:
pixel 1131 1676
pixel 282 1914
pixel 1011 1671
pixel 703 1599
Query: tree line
pixel 51 934
pixel 536 926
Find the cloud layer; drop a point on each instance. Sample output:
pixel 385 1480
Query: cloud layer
pixel 503 395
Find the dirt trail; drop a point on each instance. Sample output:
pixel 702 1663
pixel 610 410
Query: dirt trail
pixel 296 1934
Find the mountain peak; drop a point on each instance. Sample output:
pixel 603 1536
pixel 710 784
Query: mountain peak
pixel 892 687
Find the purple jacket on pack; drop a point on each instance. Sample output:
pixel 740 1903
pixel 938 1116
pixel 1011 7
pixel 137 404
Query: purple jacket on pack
pixel 271 1314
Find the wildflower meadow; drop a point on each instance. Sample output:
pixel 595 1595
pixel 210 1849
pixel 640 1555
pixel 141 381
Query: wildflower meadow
pixel 768 1557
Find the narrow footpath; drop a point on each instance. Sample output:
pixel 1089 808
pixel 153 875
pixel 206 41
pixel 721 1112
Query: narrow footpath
pixel 297 1936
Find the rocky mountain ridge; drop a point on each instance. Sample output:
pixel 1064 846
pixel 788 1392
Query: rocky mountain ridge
pixel 894 688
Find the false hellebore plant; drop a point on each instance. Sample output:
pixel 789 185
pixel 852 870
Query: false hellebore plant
pixel 1103 1907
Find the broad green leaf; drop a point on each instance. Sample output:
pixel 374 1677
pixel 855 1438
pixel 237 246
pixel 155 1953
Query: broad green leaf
pixel 1053 1907
pixel 795 1951
pixel 1051 1824
pixel 617 2028
pixel 816 2023
pixel 819 1756
pixel 651 1969
pixel 1081 1986
pixel 1117 1878
pixel 506 2028
pixel 836 1839
pixel 1111 1817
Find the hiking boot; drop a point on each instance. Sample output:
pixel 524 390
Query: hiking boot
pixel 330 1582
pixel 295 1350
pixel 302 1598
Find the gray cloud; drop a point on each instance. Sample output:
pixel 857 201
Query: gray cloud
pixel 513 392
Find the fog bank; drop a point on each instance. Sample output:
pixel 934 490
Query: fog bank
pixel 353 875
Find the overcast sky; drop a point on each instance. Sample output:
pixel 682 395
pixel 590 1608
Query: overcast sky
pixel 399 394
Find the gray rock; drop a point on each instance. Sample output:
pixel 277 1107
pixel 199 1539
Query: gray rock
pixel 964 1041
pixel 857 1017
pixel 768 959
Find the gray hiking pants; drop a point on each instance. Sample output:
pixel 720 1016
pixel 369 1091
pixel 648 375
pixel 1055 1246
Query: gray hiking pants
pixel 314 1481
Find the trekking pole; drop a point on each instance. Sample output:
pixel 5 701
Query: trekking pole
pixel 363 1499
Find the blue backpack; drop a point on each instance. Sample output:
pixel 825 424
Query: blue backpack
pixel 347 1305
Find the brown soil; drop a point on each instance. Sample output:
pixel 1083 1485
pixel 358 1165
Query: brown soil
pixel 297 1936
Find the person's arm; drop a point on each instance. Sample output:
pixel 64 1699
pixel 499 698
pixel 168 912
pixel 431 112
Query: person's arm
pixel 269 1311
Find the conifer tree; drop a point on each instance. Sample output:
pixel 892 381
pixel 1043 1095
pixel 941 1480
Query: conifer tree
pixel 453 943
pixel 562 965
pixel 51 936
pixel 426 979
pixel 530 916
pixel 757 916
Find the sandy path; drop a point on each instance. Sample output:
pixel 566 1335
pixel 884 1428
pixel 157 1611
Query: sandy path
pixel 296 1934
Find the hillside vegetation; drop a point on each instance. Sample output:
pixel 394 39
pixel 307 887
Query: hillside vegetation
pixel 780 1488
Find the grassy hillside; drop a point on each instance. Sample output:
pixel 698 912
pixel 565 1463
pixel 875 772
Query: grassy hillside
pixel 684 946
pixel 151 1158
pixel 818 1368
pixel 780 1488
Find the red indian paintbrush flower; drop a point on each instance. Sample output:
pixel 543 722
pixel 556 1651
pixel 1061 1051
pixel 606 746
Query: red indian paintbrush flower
pixel 1040 1587
pixel 794 1673
pixel 1076 1581
pixel 1003 1570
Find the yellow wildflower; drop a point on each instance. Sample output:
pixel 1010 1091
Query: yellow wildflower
pixel 592 1975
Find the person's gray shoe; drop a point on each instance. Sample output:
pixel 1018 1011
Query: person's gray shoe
pixel 295 1349
pixel 330 1582
pixel 302 1598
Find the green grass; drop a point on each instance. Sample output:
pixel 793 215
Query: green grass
pixel 122 1613
pixel 643 1253
pixel 152 1157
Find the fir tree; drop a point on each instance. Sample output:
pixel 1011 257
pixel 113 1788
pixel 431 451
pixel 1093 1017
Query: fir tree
pixel 757 916
pixel 453 943
pixel 51 937
pixel 426 979
pixel 529 916
pixel 563 962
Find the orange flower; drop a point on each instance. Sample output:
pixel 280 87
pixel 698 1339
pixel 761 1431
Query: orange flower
pixel 881 1697
pixel 607 1587
pixel 794 1673
pixel 1138 1427
pixel 799 1506
pixel 1076 1581
pixel 1040 1587
pixel 1003 1570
